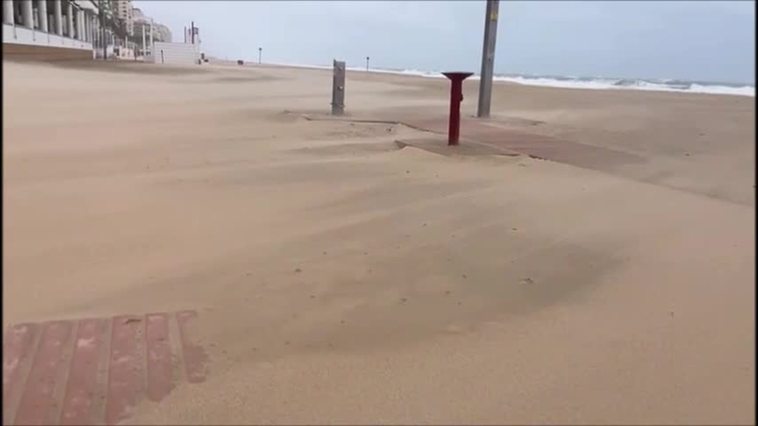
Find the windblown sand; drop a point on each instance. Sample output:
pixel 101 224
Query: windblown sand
pixel 340 279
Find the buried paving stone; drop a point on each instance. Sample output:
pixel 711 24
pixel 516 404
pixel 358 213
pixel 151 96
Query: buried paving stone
pixel 491 137
pixel 96 370
pixel 499 137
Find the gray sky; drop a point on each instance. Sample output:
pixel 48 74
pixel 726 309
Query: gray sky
pixel 694 40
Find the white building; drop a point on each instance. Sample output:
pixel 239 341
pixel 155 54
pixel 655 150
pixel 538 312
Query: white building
pixel 54 28
pixel 175 54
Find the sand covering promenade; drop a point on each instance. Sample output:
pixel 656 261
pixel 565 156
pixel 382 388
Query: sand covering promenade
pixel 341 279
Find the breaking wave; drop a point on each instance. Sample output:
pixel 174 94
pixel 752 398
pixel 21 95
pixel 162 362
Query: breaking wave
pixel 590 83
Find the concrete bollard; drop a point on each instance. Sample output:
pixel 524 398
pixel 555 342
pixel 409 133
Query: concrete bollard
pixel 338 88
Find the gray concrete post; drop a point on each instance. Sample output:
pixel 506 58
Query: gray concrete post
pixel 8 17
pixel 91 26
pixel 85 26
pixel 77 24
pixel 58 18
pixel 80 24
pixel 27 13
pixel 95 31
pixel 42 14
pixel 338 88
pixel 70 21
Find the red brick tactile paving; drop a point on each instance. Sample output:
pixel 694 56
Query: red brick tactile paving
pixel 95 371
pixel 544 147
pixel 17 353
pixel 127 367
pixel 80 400
pixel 498 137
pixel 159 366
pixel 39 405
pixel 195 358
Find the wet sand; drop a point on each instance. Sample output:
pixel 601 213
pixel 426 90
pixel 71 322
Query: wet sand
pixel 341 279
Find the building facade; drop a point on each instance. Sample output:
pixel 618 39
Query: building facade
pixel 61 28
pixel 78 29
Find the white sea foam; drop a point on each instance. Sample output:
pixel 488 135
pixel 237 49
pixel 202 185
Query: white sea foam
pixel 619 84
pixel 581 83
pixel 602 83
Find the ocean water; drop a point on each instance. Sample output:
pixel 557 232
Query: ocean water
pixel 589 83
pixel 661 85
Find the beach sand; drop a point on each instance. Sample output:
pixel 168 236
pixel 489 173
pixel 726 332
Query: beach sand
pixel 341 279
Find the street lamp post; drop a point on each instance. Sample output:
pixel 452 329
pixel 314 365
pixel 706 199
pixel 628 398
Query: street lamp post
pixel 488 59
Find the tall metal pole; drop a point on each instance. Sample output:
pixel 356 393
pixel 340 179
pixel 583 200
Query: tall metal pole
pixel 192 28
pixel 488 59
pixel 260 50
pixel 143 41
pixel 367 58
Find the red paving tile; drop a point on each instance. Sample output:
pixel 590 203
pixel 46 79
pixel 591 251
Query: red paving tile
pixel 159 362
pixel 39 404
pixel 195 358
pixel 82 390
pixel 126 373
pixel 17 352
pixel 96 371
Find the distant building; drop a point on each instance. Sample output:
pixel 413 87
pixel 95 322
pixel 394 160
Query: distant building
pixel 125 13
pixel 161 33
pixel 137 14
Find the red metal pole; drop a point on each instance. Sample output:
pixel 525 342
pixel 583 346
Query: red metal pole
pixel 456 96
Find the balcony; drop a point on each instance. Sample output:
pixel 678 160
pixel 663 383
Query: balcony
pixel 23 35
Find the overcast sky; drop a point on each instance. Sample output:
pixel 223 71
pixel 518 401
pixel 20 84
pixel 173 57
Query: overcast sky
pixel 697 40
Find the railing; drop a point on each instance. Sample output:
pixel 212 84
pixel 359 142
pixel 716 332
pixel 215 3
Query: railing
pixel 23 35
